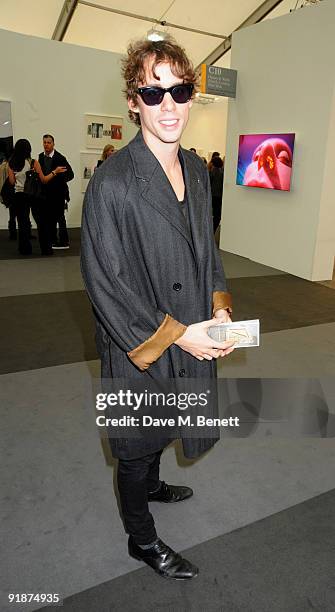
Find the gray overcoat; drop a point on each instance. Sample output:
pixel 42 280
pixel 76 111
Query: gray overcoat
pixel 148 272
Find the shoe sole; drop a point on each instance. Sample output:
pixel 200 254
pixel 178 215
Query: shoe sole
pixel 162 501
pixel 161 574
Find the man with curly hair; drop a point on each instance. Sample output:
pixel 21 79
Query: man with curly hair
pixel 154 276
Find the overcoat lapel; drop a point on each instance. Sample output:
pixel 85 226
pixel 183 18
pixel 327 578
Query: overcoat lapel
pixel 158 192
pixel 197 201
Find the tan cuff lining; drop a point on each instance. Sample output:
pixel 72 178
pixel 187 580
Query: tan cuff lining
pixel 151 349
pixel 222 299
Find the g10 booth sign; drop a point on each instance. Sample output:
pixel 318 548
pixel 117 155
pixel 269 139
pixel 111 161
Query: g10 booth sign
pixel 218 81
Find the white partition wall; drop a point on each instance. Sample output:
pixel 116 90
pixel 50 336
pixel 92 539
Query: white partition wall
pixel 286 82
pixel 51 86
pixel 207 127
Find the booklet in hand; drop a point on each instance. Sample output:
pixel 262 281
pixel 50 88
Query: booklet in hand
pixel 245 333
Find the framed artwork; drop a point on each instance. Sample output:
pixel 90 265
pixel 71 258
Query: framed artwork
pixel 102 130
pixel 6 130
pixel 88 164
pixel 265 161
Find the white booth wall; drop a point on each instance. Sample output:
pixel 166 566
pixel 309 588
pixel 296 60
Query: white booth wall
pixel 285 84
pixel 51 86
pixel 207 127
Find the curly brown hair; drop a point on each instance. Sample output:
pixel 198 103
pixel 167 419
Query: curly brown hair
pixel 134 64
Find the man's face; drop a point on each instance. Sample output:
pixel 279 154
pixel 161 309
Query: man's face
pixel 48 145
pixel 165 122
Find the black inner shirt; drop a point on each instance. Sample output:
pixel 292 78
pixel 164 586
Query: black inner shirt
pixel 183 203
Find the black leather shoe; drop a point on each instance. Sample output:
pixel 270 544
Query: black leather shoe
pixel 170 493
pixel 165 561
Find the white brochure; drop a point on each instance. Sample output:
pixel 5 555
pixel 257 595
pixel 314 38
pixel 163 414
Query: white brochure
pixel 245 333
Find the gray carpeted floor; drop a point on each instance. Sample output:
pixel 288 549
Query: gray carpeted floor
pixel 63 532
pixel 9 248
pixel 46 329
pixel 284 563
pixel 282 302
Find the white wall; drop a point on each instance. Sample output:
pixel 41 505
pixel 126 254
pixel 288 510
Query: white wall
pixel 207 127
pixel 285 84
pixel 51 86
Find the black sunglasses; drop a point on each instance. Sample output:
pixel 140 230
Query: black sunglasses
pixel 152 96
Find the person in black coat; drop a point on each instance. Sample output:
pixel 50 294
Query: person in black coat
pixel 19 164
pixel 155 280
pixel 57 192
pixel 216 174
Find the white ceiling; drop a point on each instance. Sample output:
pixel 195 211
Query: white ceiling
pixel 100 29
pixel 34 17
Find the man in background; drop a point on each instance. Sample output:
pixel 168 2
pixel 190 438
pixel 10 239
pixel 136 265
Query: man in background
pixel 56 192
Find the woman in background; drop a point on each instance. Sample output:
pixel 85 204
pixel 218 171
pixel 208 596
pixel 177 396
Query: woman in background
pixel 108 150
pixel 19 164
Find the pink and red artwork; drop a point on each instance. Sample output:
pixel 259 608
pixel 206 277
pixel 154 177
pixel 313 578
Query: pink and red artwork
pixel 265 161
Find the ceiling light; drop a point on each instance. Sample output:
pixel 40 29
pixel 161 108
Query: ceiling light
pixel 155 35
pixel 304 3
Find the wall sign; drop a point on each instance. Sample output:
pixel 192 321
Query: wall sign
pixel 218 81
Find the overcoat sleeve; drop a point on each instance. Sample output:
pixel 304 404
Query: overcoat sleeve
pixel 138 328
pixel 221 298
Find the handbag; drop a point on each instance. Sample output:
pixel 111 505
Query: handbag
pixel 7 193
pixel 32 185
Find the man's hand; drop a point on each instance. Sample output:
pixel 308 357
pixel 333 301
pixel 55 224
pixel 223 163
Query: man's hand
pixel 222 315
pixel 196 341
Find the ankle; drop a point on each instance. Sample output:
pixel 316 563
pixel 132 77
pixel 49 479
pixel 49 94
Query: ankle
pixel 147 546
pixel 157 489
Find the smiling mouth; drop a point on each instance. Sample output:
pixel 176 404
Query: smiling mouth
pixel 169 122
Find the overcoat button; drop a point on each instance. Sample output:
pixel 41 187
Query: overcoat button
pixel 177 286
pixel 182 373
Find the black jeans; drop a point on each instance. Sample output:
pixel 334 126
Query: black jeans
pixel 217 207
pixel 57 217
pixel 21 210
pixel 39 212
pixel 136 478
pixel 22 205
pixel 12 221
